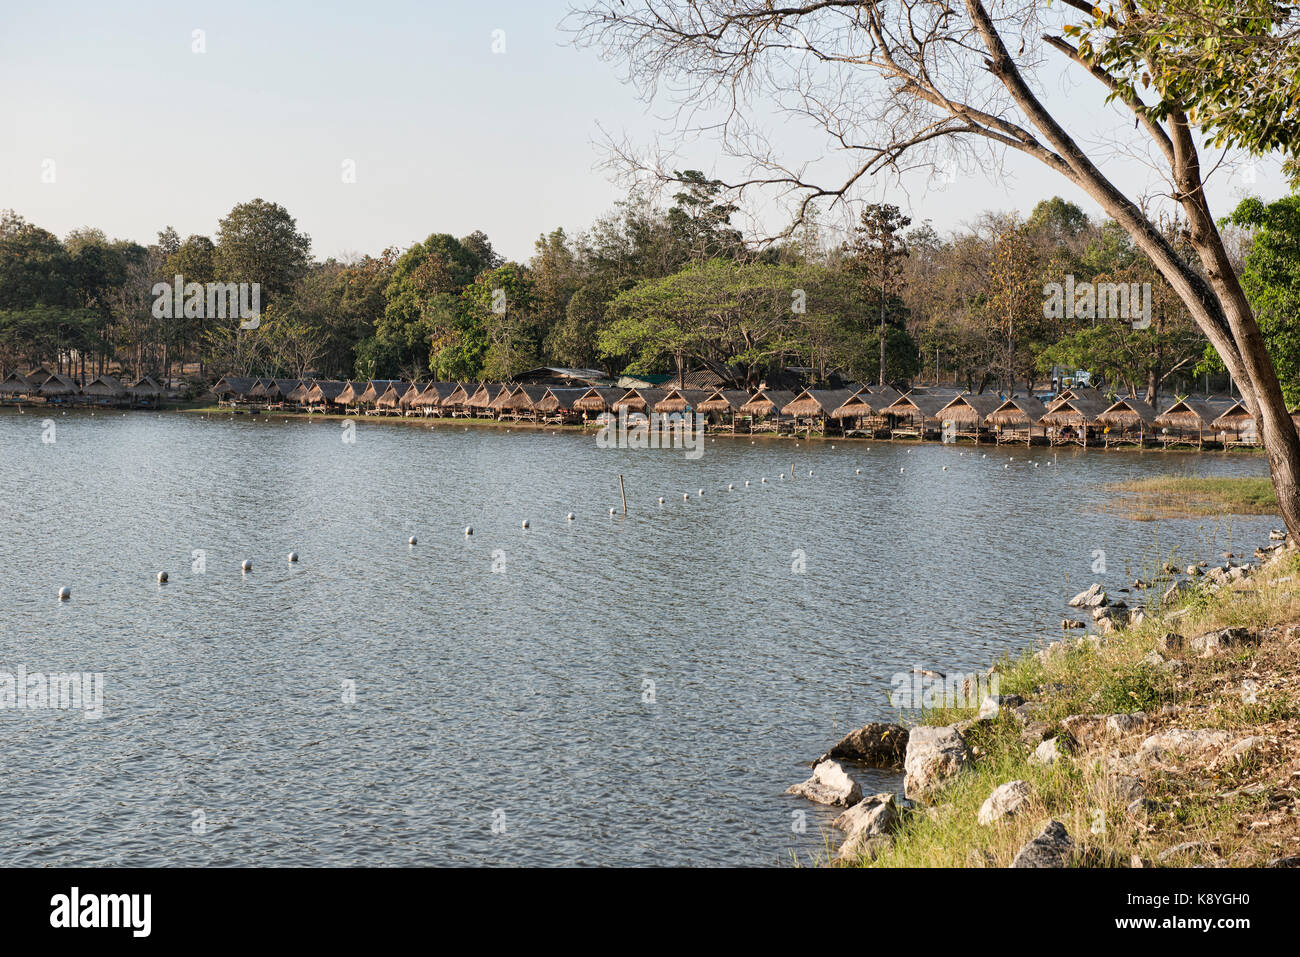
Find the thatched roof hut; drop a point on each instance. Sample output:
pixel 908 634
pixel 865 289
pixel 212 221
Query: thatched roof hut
pixel 916 407
pixel 1235 417
pixel 233 386
pixel 598 399
pixel 639 400
pixel 373 390
pixel 294 390
pixel 58 385
pixel 560 399
pixel 263 389
pixel 485 395
pixel 507 392
pixel 391 398
pixel 146 388
pixel 767 402
pixel 1079 392
pixel 525 398
pixel 37 378
pixel 1077 412
pixel 1019 412
pixel 350 394
pixel 723 400
pixel 1125 414
pixel 679 400
pixel 1189 415
pixel 16 384
pixel 105 387
pixel 811 403
pixel 971 409
pixel 458 396
pixel 324 391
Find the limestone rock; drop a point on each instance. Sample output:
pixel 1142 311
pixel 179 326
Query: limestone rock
pixel 1006 799
pixel 1210 643
pixel 868 823
pixel 829 784
pixel 1094 597
pixel 933 756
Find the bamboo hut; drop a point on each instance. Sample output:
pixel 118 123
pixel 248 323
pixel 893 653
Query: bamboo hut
pixel 412 400
pixel 861 413
pixel 390 400
pixel 146 391
pixel 1236 425
pixel 723 405
pixel 349 396
pixel 441 396
pixel 15 386
pixel 59 388
pixel 230 390
pixel 263 392
pixel 294 390
pixel 914 415
pixel 597 401
pixel 105 390
pixel 1078 392
pixel 1126 421
pixel 453 403
pixel 816 406
pixel 480 403
pixel 639 400
pixel 373 390
pixel 1071 420
pixel 966 417
pixel 681 400
pixel 763 409
pixel 1015 419
pixel 497 407
pixel 37 378
pixel 323 395
pixel 522 403
pixel 556 406
pixel 1185 423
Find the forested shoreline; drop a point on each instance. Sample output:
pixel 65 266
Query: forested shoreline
pixel 644 290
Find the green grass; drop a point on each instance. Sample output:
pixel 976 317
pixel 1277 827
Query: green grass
pixel 1184 496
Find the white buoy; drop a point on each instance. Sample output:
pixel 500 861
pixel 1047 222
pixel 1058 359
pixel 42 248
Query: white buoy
pixel 765 480
pixel 900 469
pixel 65 593
pixel 945 468
pixel 858 472
pixel 162 578
pixel 469 529
pixel 686 496
pixel 731 487
pixel 524 523
pixel 746 483
pixel 810 473
pixel 781 476
pixel 661 499
pixel 411 540
pixel 701 493
pixel 611 510
pixel 293 556
pixel 570 516
pixel 246 566
pixel 1006 466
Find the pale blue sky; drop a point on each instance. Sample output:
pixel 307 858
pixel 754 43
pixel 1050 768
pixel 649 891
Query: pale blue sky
pixel 446 135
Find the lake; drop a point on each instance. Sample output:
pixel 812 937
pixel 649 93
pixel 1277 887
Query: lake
pixel 633 690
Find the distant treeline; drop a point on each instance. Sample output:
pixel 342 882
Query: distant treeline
pixel 643 290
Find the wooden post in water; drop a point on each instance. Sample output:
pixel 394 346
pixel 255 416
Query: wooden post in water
pixel 623 492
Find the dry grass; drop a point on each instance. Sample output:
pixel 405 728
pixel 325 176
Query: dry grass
pixel 1244 812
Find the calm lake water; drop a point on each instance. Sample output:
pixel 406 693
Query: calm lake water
pixel 634 690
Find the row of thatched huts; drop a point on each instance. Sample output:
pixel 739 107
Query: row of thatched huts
pixel 58 389
pixel 1077 416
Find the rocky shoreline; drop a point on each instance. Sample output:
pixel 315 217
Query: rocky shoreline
pixel 1209 671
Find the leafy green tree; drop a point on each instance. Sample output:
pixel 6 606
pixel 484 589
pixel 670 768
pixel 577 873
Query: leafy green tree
pixel 259 242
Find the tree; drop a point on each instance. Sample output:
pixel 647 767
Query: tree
pixel 910 82
pixel 258 242
pixel 877 251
